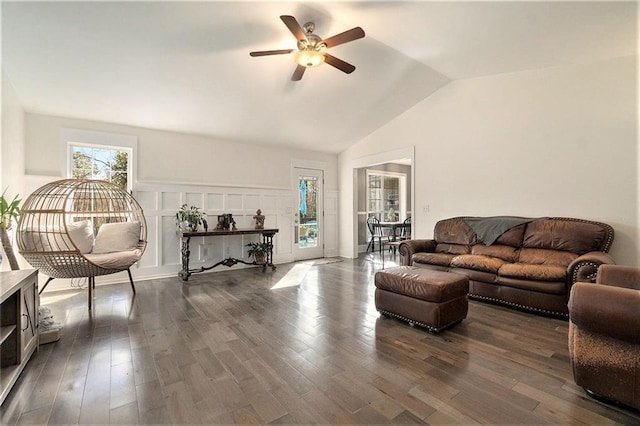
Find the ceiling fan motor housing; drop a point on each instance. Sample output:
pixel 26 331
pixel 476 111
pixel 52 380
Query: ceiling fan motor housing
pixel 312 42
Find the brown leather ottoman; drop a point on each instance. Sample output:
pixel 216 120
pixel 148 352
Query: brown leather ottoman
pixel 432 299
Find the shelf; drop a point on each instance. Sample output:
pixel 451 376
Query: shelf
pixel 8 376
pixel 18 298
pixel 5 331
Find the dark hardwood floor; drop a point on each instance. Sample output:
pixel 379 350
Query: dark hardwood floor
pixel 302 344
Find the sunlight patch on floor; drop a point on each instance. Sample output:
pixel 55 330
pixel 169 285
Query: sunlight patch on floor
pixel 293 277
pixel 56 296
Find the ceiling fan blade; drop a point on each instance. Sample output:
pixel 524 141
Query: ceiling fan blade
pixel 297 74
pixel 270 52
pixel 339 63
pixel 294 27
pixel 347 36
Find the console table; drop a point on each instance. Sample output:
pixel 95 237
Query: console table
pixel 267 237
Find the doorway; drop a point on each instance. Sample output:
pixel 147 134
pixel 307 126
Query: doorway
pixel 355 240
pixel 308 220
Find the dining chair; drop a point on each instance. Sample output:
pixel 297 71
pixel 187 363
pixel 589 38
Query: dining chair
pixel 405 233
pixel 376 232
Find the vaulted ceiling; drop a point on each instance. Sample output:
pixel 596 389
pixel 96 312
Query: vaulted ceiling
pixel 185 66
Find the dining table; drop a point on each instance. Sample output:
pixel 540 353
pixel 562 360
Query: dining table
pixel 393 227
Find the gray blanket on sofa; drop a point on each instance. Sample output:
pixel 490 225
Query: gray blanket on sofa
pixel 489 229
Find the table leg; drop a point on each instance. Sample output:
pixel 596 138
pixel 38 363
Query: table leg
pixel 184 273
pixel 268 238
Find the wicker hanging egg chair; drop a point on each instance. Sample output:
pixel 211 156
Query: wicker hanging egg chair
pixel 79 228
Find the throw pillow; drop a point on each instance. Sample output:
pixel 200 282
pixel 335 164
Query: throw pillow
pixel 81 233
pixel 35 241
pixel 118 236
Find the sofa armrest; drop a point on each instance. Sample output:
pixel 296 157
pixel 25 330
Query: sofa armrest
pixel 606 310
pixel 619 276
pixel 585 267
pixel 409 247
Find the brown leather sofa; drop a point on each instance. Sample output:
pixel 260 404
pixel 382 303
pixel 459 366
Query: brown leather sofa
pixel 529 264
pixel 604 334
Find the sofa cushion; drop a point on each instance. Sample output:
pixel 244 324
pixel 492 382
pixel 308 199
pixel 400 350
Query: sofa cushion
pixel 513 237
pixel 546 257
pixel 536 287
pixel 423 284
pixel 477 262
pixel 119 260
pixel 454 231
pixel 533 272
pixel 475 275
pixel 507 253
pixel 572 236
pixel 453 248
pixel 442 259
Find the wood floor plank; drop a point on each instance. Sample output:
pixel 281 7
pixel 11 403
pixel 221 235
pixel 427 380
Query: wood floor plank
pixel 144 369
pixel 35 417
pixel 97 389
pixel 149 398
pixel 180 405
pixel 124 414
pixel 233 365
pixel 211 365
pixel 265 405
pixel 231 347
pixel 167 368
pixel 442 406
pixel 68 401
pixel 372 396
pixel 576 413
pixel 412 405
pixel 123 387
pixel 331 411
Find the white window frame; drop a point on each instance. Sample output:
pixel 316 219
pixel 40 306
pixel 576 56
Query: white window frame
pixel 402 199
pixel 89 138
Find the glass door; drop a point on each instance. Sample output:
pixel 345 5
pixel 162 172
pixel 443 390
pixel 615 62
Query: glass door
pixel 308 220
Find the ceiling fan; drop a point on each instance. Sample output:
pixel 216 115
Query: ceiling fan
pixel 311 50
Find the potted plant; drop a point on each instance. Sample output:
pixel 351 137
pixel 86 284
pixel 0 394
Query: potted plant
pixel 188 219
pixel 9 211
pixel 259 251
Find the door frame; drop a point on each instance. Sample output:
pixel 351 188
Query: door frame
pixel 373 160
pixel 310 165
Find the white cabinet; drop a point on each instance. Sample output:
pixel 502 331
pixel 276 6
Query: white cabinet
pixel 18 324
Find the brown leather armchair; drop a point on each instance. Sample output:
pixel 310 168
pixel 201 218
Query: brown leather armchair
pixel 604 334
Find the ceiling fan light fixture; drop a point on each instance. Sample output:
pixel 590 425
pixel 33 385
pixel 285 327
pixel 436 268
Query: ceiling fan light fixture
pixel 309 58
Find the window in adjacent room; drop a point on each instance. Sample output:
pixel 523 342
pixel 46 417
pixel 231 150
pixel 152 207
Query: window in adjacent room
pixel 386 195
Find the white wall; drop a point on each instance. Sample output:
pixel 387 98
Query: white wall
pixel 552 142
pixel 177 157
pixel 175 168
pixel 12 157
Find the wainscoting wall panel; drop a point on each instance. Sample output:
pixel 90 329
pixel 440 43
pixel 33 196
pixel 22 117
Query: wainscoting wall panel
pixel 161 202
pixel 215 202
pixel 331 224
